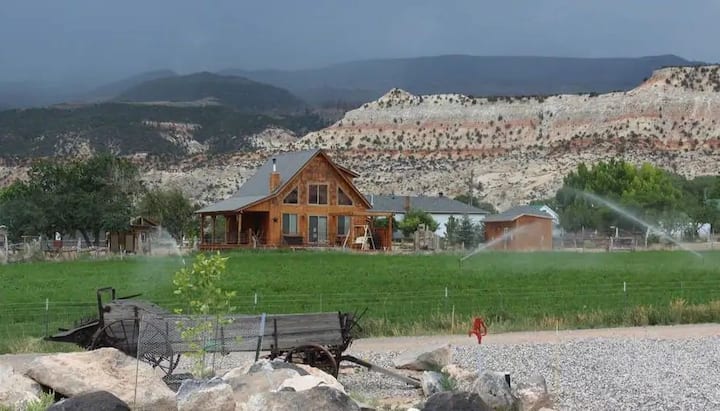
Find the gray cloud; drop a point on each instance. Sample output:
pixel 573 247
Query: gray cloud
pixel 93 40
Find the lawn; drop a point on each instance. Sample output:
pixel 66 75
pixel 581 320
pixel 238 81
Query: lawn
pixel 403 294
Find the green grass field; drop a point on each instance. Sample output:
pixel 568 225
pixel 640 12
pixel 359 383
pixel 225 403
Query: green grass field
pixel 404 294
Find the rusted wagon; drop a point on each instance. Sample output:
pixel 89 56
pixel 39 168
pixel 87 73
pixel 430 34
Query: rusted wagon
pixel 152 334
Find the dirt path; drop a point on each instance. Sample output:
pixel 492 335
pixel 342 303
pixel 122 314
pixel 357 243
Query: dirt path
pixel 656 332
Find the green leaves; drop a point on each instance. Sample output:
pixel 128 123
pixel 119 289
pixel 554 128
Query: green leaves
pixel 413 218
pixel 198 287
pixel 90 196
pixel 171 208
pixel 654 194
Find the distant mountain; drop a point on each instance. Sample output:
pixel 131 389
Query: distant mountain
pixel 362 81
pixel 30 94
pixel 233 91
pixel 111 90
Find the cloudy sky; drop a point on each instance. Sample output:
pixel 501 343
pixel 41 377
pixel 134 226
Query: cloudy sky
pixel 101 39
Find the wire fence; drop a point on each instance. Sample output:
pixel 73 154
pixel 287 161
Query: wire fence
pixel 438 309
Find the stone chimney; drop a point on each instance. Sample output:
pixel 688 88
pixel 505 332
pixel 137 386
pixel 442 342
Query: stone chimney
pixel 407 203
pixel 274 177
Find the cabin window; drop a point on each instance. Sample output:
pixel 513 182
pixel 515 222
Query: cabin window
pixel 343 225
pixel 318 194
pixel 289 224
pixel 292 197
pixel 344 199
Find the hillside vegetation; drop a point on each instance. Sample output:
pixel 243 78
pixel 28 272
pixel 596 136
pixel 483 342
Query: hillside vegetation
pixel 238 92
pixel 131 128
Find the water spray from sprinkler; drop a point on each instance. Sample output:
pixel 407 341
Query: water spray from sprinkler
pixel 627 214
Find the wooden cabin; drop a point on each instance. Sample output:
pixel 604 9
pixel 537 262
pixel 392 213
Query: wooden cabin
pixel 297 199
pixel 524 228
pixel 136 239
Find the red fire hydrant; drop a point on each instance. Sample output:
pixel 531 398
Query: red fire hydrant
pixel 478 328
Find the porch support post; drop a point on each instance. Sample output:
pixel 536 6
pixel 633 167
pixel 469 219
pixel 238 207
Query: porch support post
pixel 227 227
pixel 202 229
pixel 212 240
pixel 239 227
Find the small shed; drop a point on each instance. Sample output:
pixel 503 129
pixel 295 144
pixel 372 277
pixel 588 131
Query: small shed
pixel 136 239
pixel 523 228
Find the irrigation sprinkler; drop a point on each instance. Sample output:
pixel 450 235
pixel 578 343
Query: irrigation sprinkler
pixel 630 216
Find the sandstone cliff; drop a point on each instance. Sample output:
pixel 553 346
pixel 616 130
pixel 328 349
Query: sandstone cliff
pixel 519 148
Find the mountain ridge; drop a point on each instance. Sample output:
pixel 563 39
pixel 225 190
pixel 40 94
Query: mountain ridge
pixel 235 91
pixel 466 74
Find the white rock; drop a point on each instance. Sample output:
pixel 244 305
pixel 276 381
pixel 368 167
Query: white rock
pixel 329 379
pixel 105 369
pixel 16 390
pixel 463 378
pixel 306 382
pixel 316 399
pixel 533 395
pixel 434 359
pixel 494 391
pixel 262 380
pixel 431 383
pixel 215 394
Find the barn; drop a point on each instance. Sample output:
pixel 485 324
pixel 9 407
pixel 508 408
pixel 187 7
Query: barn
pixel 523 228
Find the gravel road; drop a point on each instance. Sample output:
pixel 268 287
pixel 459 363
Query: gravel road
pixel 642 368
pixel 651 368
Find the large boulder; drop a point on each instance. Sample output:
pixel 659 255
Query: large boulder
pixel 306 382
pixel 456 401
pixel 265 365
pixel 92 401
pixel 432 360
pixel 257 380
pixel 316 399
pixel 495 391
pixel 198 395
pixel 327 378
pixel 432 382
pixel 533 394
pixel 105 369
pixel 462 378
pixel 16 390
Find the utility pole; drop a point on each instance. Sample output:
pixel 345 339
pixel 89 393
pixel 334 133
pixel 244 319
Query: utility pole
pixel 471 184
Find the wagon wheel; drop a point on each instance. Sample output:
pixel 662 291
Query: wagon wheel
pixel 314 355
pixel 125 334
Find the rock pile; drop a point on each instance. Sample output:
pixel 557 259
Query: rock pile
pixel 107 379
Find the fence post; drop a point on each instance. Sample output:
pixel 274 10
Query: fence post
pixel 625 294
pixel 47 310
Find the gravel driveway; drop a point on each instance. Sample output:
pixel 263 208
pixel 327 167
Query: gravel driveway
pixel 651 368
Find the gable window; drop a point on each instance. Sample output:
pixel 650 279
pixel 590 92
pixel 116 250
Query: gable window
pixel 289 224
pixel 343 224
pixel 292 197
pixel 344 199
pixel 318 194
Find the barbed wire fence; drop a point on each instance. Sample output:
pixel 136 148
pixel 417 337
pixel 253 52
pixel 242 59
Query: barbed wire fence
pixel 444 309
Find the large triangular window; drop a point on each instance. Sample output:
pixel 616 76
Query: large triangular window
pixel 292 197
pixel 344 199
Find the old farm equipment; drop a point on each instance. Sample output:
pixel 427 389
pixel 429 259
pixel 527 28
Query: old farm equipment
pixel 118 325
pixel 131 325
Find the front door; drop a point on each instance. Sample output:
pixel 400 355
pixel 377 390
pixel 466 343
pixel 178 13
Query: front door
pixel 318 229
